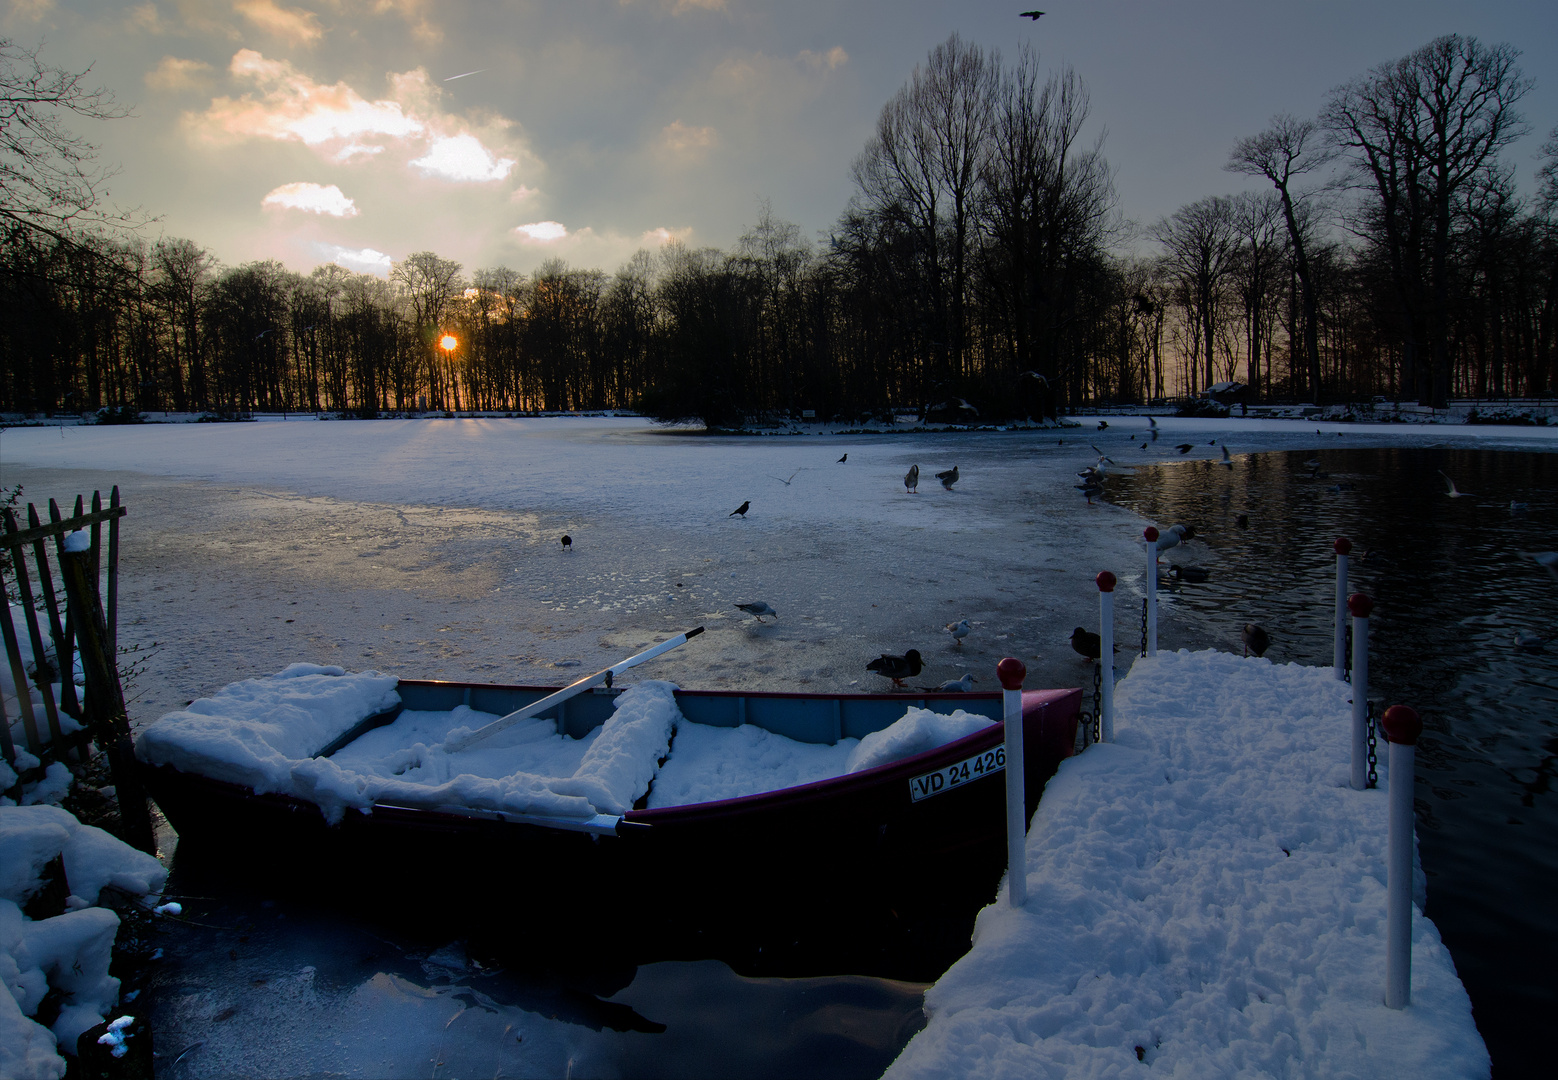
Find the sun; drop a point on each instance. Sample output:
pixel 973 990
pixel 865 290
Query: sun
pixel 448 342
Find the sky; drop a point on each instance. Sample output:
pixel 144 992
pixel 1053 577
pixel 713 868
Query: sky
pixel 510 132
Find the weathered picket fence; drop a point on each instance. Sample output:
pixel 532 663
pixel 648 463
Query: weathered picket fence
pixel 57 626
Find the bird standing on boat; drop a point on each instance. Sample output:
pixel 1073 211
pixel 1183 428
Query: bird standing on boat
pixel 758 608
pixel 948 478
pixel 1255 639
pixel 567 542
pixel 958 630
pixel 911 480
pixel 742 510
pixel 897 668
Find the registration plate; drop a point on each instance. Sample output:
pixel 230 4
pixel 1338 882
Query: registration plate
pixel 957 774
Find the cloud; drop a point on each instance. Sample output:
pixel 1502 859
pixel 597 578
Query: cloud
pixel 662 236
pixel 313 198
pixel 173 73
pixel 363 260
pixel 293 106
pixel 294 24
pixel 680 139
pixel 29 10
pixel 819 61
pixel 462 157
pixel 523 194
pixel 542 232
pixel 683 6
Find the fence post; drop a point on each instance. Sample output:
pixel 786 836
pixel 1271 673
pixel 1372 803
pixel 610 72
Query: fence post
pixel 1402 727
pixel 1339 649
pixel 1106 583
pixel 1360 606
pixel 105 711
pixel 1151 535
pixel 1012 672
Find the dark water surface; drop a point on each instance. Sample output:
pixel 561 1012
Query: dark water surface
pixel 1450 592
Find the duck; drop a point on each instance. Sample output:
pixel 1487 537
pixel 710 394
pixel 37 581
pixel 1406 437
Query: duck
pixel 948 478
pixel 1087 643
pixel 897 668
pixel 911 480
pixel 1189 573
pixel 1255 639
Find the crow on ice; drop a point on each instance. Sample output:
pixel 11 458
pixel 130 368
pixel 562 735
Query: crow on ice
pixel 742 510
pixel 567 542
pixel 1034 15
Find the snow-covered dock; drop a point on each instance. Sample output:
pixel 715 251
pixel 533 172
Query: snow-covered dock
pixel 1205 896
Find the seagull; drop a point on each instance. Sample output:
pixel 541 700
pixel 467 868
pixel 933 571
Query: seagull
pixel 1547 560
pixel 1087 643
pixel 897 668
pixel 1454 492
pixel 782 480
pixel 911 480
pixel 742 510
pixel 958 630
pixel 452 78
pixel 757 609
pixel 1175 535
pixel 1226 460
pixel 948 478
pixel 841 460
pixel 1034 15
pixel 1529 640
pixel 1255 639
pixel 567 542
pixel 1189 573
pixel 1185 448
pixel 958 686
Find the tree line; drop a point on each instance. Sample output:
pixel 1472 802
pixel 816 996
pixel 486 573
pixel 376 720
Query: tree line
pixel 981 269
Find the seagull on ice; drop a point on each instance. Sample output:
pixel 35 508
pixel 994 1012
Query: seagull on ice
pixel 742 510
pixel 911 480
pixel 757 609
pixel 1175 535
pixel 964 685
pixel 897 668
pixel 958 630
pixel 567 542
pixel 1454 492
pixel 948 478
pixel 1255 639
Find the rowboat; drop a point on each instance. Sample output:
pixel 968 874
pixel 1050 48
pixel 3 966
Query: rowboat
pixel 878 868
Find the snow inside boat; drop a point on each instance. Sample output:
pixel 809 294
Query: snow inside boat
pixel 674 812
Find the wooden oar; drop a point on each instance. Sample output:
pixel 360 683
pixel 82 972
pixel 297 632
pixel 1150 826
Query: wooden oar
pixel 537 707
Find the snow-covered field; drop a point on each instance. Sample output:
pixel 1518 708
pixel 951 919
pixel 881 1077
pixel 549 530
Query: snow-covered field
pixel 429 548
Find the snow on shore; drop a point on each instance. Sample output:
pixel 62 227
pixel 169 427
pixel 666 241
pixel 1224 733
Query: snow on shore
pixel 1205 895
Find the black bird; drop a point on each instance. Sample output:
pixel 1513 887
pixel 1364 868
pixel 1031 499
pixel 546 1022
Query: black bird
pixel 911 480
pixel 1087 643
pixel 567 542
pixel 1034 15
pixel 841 460
pixel 742 510
pixel 1243 521
pixel 1255 639
pixel 1103 425
pixel 897 668
pixel 1188 573
pixel 948 478
pixel 1185 448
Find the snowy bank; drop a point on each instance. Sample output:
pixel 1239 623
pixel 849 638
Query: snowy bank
pixel 68 953
pixel 1206 896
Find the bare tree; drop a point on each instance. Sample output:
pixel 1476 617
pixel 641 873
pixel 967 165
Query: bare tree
pixel 1201 244
pixel 431 284
pixel 1417 131
pixel 1288 149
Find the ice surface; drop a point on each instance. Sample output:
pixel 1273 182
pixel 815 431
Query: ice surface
pixel 1210 890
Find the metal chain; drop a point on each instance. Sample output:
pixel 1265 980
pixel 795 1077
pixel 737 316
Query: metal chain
pixel 1144 626
pixel 1347 652
pixel 1373 756
pixel 1098 701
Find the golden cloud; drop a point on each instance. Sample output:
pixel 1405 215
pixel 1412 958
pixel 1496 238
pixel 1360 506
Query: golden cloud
pixel 311 198
pixel 174 73
pixel 679 138
pixel 294 24
pixel 819 61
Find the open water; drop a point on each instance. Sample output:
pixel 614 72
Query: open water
pixel 1450 592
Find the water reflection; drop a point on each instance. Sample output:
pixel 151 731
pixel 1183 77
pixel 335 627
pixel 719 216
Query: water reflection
pixel 1450 592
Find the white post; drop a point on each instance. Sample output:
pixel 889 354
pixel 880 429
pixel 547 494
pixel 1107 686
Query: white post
pixel 1402 727
pixel 1339 650
pixel 1360 606
pixel 1011 672
pixel 1152 590
pixel 1106 583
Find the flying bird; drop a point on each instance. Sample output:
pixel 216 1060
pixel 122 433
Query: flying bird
pixel 452 78
pixel 897 668
pixel 782 480
pixel 1103 425
pixel 1547 560
pixel 1453 492
pixel 1185 448
pixel 958 630
pixel 742 510
pixel 948 478
pixel 757 609
pixel 1226 459
pixel 841 460
pixel 911 480
pixel 1255 639
pixel 958 686
pixel 567 542
pixel 1154 425
pixel 1034 15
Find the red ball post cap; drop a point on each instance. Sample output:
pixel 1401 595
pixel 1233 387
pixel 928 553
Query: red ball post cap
pixel 1011 672
pixel 1105 581
pixel 1402 725
pixel 1360 605
pixel 1151 534
pixel 1343 545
